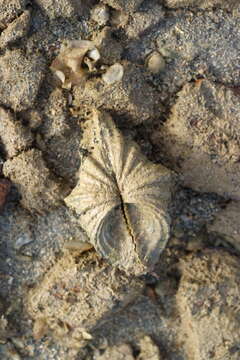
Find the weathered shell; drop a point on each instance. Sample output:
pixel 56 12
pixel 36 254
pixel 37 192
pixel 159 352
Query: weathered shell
pixel 68 64
pixel 121 197
pixel 155 62
pixel 113 74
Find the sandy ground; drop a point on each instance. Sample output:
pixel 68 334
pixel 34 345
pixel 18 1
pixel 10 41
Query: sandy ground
pixel 57 303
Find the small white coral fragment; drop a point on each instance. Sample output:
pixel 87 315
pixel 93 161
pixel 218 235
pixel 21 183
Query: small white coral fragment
pixel 121 198
pixel 155 62
pixel 113 74
pixel 68 65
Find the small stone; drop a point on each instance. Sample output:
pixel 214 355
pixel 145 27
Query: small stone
pixel 16 30
pixel 18 342
pixel 22 241
pixel 113 74
pixel 14 137
pixel 81 247
pixel 155 62
pixel 117 352
pixel 40 328
pixel 86 335
pixel 60 75
pixel 149 350
pixel 119 18
pixel 100 14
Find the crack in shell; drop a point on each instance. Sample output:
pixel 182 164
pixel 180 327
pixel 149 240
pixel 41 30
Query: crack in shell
pixel 121 197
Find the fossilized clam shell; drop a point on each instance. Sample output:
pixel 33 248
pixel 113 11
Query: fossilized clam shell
pixel 121 197
pixel 68 64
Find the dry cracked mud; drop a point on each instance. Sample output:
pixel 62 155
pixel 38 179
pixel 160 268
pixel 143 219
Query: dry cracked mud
pixel 59 299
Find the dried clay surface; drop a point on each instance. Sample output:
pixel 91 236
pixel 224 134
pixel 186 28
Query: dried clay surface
pixel 19 91
pixel 16 30
pixel 28 171
pixel 59 303
pixel 10 10
pixel 203 136
pixel 141 99
pixel 61 8
pixel 202 3
pixel 100 257
pixel 209 317
pixel 226 224
pixel 17 138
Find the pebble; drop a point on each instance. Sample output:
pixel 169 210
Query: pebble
pixel 22 241
pixel 100 14
pixel 119 18
pixel 113 74
pixel 155 62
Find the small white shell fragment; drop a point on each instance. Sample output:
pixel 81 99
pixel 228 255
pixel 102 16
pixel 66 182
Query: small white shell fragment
pixel 113 74
pixel 86 335
pixel 93 54
pixel 100 14
pixel 60 75
pixel 155 62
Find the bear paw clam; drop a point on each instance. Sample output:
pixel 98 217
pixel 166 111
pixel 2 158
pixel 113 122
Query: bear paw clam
pixel 121 197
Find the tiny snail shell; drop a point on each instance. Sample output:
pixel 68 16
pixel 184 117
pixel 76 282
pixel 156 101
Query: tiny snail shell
pixel 122 198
